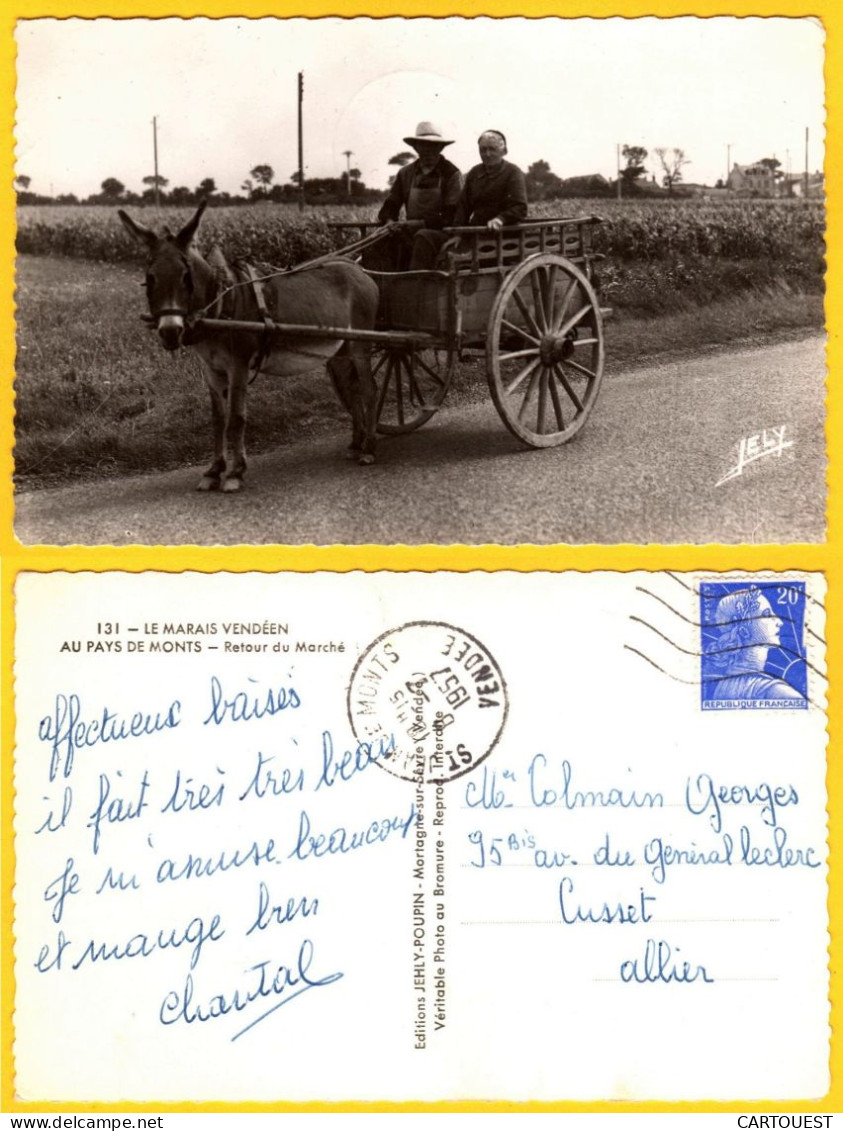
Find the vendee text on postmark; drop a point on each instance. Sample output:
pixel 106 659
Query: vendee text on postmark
pixel 435 697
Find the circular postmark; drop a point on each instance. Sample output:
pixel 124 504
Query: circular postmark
pixel 433 696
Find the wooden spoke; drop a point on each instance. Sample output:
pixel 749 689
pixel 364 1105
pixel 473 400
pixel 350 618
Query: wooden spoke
pixel 543 380
pixel 522 412
pixel 415 388
pixel 520 353
pixel 585 342
pixel 527 314
pixel 430 372
pixel 538 304
pixel 550 293
pixel 519 330
pixel 385 385
pixel 571 323
pixel 557 406
pixel 376 368
pixel 399 389
pixel 563 307
pixel 568 387
pixel 525 372
pixel 580 369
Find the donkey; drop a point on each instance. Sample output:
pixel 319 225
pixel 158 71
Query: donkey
pixel 181 285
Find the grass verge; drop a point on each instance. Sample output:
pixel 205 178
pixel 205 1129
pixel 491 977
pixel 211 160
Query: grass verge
pixel 96 396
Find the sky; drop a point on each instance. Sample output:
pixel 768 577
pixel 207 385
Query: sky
pixel 566 91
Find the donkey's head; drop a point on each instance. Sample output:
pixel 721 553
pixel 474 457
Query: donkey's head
pixel 169 279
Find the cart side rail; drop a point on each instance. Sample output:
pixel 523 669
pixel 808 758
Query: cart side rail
pixel 473 248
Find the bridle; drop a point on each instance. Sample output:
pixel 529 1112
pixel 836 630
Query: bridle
pixel 189 318
pixel 167 310
pixel 174 311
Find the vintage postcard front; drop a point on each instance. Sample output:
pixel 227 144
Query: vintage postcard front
pixel 613 333
pixel 419 837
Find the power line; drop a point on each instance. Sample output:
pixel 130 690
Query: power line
pixel 301 143
pixel 155 156
pixel 806 162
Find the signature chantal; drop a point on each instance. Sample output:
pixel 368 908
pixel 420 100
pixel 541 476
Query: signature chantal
pixel 268 983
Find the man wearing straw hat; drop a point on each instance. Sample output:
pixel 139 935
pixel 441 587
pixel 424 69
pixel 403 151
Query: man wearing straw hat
pixel 428 190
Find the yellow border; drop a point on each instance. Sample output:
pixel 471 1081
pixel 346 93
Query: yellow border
pixel 827 558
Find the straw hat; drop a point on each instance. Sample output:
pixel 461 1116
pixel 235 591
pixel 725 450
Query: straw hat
pixel 426 131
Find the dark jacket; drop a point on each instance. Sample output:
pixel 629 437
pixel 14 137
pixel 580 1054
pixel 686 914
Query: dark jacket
pixel 492 192
pixel 429 197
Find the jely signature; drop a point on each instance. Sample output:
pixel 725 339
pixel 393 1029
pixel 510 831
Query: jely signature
pixel 769 442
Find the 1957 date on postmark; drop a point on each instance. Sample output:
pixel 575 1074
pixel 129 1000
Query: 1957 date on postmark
pixel 433 695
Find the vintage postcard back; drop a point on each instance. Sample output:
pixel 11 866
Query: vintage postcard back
pixel 420 837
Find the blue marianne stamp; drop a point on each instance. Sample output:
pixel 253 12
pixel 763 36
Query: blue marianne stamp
pixel 752 645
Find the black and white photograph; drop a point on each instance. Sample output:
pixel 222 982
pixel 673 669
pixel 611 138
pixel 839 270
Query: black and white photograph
pixel 420 281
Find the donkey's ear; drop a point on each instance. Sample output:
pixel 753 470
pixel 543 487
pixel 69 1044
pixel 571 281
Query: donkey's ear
pixel 185 236
pixel 137 231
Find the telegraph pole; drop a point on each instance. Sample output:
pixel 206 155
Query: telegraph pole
pixel 728 162
pixel 155 156
pixel 618 167
pixel 806 162
pixel 348 153
pixel 301 143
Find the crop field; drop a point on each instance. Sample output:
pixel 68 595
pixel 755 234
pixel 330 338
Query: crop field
pixel 788 233
pixel 96 396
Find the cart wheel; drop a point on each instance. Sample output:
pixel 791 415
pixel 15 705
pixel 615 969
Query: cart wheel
pixel 412 384
pixel 544 350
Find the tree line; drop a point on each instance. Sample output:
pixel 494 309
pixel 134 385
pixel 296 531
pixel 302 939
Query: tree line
pixel 544 184
pixel 260 185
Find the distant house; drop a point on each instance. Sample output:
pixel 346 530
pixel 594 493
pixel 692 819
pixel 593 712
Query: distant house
pixel 592 184
pixel 794 184
pixel 643 187
pixel 717 193
pixel 702 192
pixel 752 180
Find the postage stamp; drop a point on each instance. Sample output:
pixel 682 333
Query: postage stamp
pixel 434 696
pixel 752 645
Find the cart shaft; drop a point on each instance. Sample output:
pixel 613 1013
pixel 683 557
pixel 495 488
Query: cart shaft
pixel 384 337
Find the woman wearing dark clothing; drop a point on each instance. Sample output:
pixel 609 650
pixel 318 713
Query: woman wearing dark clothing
pixel 495 192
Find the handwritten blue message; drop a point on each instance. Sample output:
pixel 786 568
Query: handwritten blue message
pixel 107 778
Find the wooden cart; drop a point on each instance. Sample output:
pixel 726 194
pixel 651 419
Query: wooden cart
pixel 524 299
